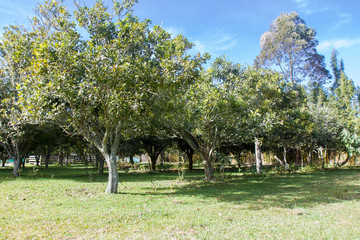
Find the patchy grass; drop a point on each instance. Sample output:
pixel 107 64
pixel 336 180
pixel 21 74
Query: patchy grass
pixel 70 203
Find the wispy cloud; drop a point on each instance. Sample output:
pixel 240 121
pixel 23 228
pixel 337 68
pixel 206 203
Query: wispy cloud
pixel 304 6
pixel 13 8
pixel 343 18
pixel 7 11
pixel 338 43
pixel 216 42
pixel 302 3
pixel 174 31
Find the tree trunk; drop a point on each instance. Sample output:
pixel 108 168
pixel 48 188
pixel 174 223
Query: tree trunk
pixel 22 161
pixel 310 157
pixel 101 166
pixel 109 150
pixel 84 159
pixel 16 170
pixel 322 154
pixel 287 167
pixel 131 160
pixel 37 159
pixel 153 163
pixel 297 157
pixel 99 158
pixel 206 153
pixel 47 158
pixel 162 155
pixel 113 179
pixel 61 158
pixel 209 170
pixel 258 156
pixel 283 163
pixel 16 158
pixel 190 158
pixel 345 161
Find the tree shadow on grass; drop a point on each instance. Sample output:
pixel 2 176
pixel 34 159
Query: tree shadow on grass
pixel 284 191
pixel 292 190
pixel 53 172
pixel 90 174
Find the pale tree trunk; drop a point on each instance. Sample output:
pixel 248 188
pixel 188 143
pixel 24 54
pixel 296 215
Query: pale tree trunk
pixel 258 156
pixel 287 167
pixel 110 158
pixel 206 153
pixel 283 163
pixel 340 164
pixel 322 155
pixel 113 179
pixel 209 169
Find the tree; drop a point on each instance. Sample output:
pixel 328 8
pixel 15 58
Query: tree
pixel 99 84
pixel 205 120
pixel 14 47
pixel 131 148
pixel 187 149
pixel 352 144
pixel 326 129
pixel 267 97
pixel 336 70
pixel 345 101
pixel 154 145
pixel 3 156
pixel 291 46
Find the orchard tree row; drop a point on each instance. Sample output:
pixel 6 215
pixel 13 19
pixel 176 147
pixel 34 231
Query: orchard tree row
pixel 103 74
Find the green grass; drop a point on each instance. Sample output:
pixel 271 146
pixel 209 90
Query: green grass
pixel 70 203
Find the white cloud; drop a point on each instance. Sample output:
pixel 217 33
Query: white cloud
pixel 338 43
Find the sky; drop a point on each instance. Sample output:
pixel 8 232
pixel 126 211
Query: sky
pixel 233 27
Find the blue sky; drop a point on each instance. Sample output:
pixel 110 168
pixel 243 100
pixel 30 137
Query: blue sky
pixel 234 27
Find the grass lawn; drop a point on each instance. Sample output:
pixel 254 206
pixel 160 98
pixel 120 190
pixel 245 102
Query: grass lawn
pixel 70 203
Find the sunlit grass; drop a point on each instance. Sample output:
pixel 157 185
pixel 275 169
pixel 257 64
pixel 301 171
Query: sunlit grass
pixel 70 203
